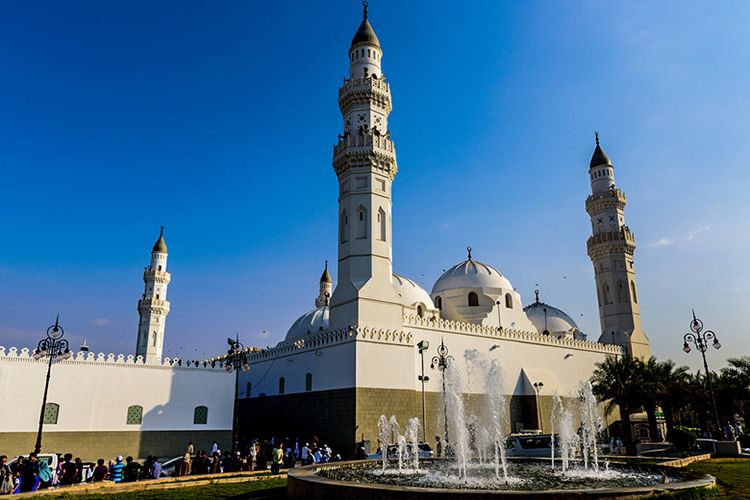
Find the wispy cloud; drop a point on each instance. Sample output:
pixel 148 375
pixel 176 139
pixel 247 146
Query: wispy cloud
pixel 664 242
pixel 695 232
pixel 101 322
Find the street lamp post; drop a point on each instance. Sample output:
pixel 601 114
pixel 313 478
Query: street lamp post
pixel 236 360
pixel 441 361
pixel 537 389
pixel 55 347
pixel 423 345
pixel 700 339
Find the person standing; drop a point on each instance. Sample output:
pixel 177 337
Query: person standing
pixel 116 469
pixel 132 470
pixel 252 452
pixel 186 464
pixel 30 473
pixel 68 471
pixel 100 471
pixel 214 448
pixel 155 468
pixel 276 458
pixel 190 448
pixel 305 454
pixel 7 480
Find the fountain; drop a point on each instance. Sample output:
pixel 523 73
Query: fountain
pixel 576 427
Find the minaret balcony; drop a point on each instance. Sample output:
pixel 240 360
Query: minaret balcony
pixel 363 144
pixel 614 198
pixel 622 238
pixel 151 274
pixel 364 85
pixel 365 91
pixel 151 304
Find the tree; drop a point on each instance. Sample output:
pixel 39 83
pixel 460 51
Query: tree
pixel 669 386
pixel 619 382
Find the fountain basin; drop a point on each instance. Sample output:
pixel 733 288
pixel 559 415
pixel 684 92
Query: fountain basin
pixel 365 480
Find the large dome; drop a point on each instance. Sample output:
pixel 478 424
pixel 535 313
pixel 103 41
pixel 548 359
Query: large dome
pixel 411 294
pixel 553 320
pixel 471 274
pixel 310 322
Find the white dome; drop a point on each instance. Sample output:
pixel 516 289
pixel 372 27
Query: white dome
pixel 558 323
pixel 471 274
pixel 411 294
pixel 309 323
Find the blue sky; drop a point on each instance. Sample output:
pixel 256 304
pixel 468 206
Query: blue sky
pixel 217 119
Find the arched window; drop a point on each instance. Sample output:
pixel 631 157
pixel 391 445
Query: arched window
pixel 439 302
pixel 200 415
pixel 420 311
pixel 248 390
pixel 362 222
pixel 308 382
pixel 343 223
pixel 605 290
pixel 135 415
pixel 157 296
pixel 508 301
pixel 632 291
pixel 620 292
pixel 282 384
pixel 154 338
pixel 473 299
pixel 159 268
pixel 51 412
pixel 381 221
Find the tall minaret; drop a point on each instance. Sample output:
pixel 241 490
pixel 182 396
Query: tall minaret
pixel 153 306
pixel 326 288
pixel 365 162
pixel 611 250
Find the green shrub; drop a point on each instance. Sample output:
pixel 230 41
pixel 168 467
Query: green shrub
pixel 683 438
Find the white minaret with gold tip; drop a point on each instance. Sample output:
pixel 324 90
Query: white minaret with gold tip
pixel 153 306
pixel 365 163
pixel 611 249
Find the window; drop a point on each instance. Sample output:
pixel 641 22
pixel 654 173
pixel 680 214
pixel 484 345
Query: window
pixel 157 296
pixel 508 301
pixel 420 311
pixel 439 302
pixel 308 382
pixel 154 337
pixel 135 415
pixel 282 384
pixel 473 299
pixel 159 268
pixel 381 220
pixel 362 224
pixel 248 390
pixel 620 292
pixel 343 221
pixel 51 412
pixel 200 415
pixel 605 289
pixel 632 291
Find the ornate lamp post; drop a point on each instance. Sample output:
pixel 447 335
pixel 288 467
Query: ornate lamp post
pixel 441 362
pixel 700 339
pixel 236 359
pixel 55 347
pixel 423 345
pixel 537 389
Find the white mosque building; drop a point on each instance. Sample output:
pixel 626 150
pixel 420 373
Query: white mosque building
pixel 357 354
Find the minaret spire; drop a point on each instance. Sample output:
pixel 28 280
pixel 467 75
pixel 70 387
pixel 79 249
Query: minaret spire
pixel 364 9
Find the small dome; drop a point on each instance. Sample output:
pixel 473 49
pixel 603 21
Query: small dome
pixel 557 323
pixel 160 246
pixel 471 274
pixel 309 323
pixel 599 157
pixel 365 33
pixel 411 294
pixel 326 276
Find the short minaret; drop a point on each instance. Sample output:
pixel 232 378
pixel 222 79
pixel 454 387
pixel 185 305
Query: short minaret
pixel 364 159
pixel 326 289
pixel 611 250
pixel 153 306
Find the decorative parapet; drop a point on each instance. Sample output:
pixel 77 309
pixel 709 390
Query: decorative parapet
pixel 368 150
pixel 365 90
pixel 26 355
pixel 508 333
pixel 606 242
pixel 356 143
pixel 614 198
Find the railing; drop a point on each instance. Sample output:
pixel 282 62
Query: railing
pixel 364 84
pixel 363 143
pixel 623 235
pixel 613 194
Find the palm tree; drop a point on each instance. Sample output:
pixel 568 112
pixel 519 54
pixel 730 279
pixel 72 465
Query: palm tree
pixel 619 382
pixel 666 386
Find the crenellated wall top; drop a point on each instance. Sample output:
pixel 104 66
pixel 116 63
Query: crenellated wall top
pixel 508 333
pixel 26 355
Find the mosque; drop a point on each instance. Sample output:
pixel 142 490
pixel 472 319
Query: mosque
pixel 361 352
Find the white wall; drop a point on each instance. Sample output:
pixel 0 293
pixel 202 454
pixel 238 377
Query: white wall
pixel 94 394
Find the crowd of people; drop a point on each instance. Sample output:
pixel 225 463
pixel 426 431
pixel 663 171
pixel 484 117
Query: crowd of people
pixel 29 473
